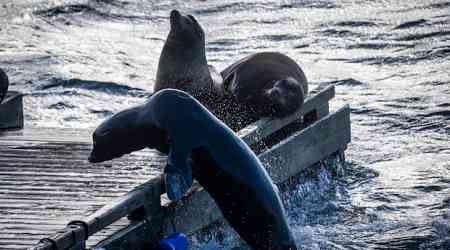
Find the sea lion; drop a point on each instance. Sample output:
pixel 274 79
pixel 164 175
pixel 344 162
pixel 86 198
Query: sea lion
pixel 270 83
pixel 204 148
pixel 4 84
pixel 182 63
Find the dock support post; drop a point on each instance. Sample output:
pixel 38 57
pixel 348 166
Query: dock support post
pixel 11 111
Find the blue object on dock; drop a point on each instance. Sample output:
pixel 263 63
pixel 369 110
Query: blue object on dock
pixel 176 241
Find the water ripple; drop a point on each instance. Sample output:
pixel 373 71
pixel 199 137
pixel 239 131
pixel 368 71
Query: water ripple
pixel 108 87
pixel 311 4
pixel 411 24
pixel 420 36
pixel 84 11
pixel 356 23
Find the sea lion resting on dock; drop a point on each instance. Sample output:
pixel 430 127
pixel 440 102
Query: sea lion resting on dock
pixel 4 84
pixel 270 83
pixel 204 148
pixel 260 85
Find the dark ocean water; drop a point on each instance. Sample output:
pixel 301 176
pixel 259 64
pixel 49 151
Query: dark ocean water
pixel 80 61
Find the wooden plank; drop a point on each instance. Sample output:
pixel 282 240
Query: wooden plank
pixel 74 235
pixel 137 237
pixel 33 134
pixel 266 126
pixel 11 111
pixel 148 192
pixel 199 210
pixel 308 146
pixel 193 213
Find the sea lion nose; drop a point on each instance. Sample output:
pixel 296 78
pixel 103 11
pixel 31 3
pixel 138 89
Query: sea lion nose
pixel 174 15
pixel 92 158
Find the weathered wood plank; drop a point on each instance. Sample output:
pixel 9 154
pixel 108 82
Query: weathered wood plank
pixel 193 213
pixel 266 126
pixel 11 111
pixel 67 135
pixel 145 193
pixel 322 138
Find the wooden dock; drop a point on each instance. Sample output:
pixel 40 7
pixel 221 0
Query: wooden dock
pixel 46 182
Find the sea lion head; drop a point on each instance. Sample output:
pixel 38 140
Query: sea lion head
pixel 286 96
pixel 182 63
pixel 185 30
pixel 124 133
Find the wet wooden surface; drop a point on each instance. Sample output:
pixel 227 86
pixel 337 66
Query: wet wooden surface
pixel 46 181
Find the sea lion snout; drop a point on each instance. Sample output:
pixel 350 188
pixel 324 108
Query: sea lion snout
pixel 102 149
pixel 101 153
pixel 286 96
pixel 119 135
pixel 174 17
pixel 184 26
pixel 93 157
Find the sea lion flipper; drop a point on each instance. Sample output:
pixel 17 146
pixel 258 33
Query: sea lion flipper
pixel 217 79
pixel 178 173
pixel 231 69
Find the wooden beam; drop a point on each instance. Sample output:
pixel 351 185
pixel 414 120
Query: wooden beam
pixel 135 236
pixel 11 111
pixel 149 192
pixel 266 126
pixel 193 213
pixel 308 146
